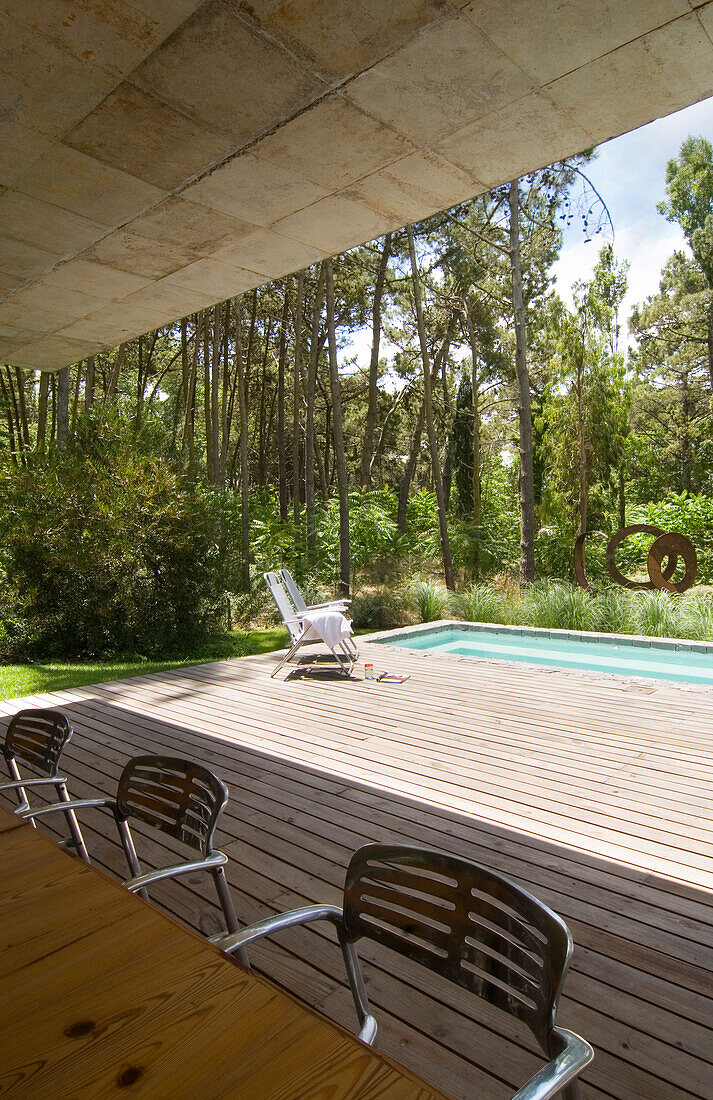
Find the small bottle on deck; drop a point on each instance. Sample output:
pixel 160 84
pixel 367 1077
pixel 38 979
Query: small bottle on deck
pixel 368 671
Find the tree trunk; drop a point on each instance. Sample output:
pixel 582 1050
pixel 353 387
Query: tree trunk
pixel 685 435
pixel 62 406
pixel 475 430
pixel 115 371
pixel 370 423
pixel 261 456
pixel 582 446
pixel 281 456
pixel 527 471
pixel 296 398
pixel 428 412
pixel 8 416
pixel 709 342
pixel 42 411
pixel 309 414
pixel 622 499
pixel 89 385
pixel 188 436
pixel 216 347
pixel 339 455
pixel 23 424
pixel 243 444
pixel 409 471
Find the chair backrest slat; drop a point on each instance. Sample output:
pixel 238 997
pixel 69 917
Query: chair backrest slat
pixel 176 796
pixel 287 612
pixel 36 738
pixel 464 922
pixel 293 591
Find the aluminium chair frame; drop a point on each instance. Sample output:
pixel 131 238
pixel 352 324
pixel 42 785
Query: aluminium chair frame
pixel 345 654
pixel 145 784
pixel 301 608
pixel 569 1054
pixel 36 738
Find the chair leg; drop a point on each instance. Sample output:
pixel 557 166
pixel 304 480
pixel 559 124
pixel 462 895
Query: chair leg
pixel 288 656
pixel 226 904
pixel 367 1023
pixel 127 843
pixel 77 839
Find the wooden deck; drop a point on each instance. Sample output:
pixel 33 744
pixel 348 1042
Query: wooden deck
pixel 594 793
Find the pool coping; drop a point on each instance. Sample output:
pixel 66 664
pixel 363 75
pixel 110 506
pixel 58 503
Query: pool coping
pixel 439 625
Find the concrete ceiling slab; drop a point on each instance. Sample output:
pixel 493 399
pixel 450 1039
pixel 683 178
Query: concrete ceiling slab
pixel 157 156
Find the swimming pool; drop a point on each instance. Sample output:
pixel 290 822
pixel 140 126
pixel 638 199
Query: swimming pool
pixel 620 654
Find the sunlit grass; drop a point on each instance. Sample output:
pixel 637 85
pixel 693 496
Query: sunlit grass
pixel 56 674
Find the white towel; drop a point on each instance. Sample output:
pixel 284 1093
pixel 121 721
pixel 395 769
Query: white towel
pixel 326 626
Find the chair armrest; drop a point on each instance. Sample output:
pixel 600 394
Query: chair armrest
pixel 73 804
pixel 56 780
pixel 138 882
pixel 333 604
pixel 561 1071
pixel 270 925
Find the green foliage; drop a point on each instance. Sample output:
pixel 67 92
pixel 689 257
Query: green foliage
pixel 378 609
pixel 108 547
pixel 657 615
pixel 429 599
pixel 556 606
pixel 481 603
pixel 689 189
pixel 691 515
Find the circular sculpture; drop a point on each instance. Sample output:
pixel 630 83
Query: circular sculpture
pixel 666 546
pixel 613 545
pixel 579 567
pixel 670 546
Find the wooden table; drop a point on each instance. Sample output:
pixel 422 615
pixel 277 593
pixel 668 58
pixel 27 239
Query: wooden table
pixel 102 994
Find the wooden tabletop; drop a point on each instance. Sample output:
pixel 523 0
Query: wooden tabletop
pixel 102 994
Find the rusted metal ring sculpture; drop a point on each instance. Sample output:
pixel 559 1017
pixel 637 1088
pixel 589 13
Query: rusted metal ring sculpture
pixel 669 546
pixel 613 545
pixel 580 571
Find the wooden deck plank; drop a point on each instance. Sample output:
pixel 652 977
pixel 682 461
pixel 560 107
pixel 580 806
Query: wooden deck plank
pixel 592 792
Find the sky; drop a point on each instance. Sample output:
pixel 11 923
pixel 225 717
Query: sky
pixel 629 172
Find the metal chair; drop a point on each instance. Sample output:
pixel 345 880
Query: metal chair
pixel 302 608
pixel 468 925
pixel 35 739
pixel 345 652
pixel 177 797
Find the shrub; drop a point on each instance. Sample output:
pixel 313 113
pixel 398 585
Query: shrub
pixel 378 609
pixel 109 548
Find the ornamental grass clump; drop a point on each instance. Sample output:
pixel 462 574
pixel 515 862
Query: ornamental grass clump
pixel 613 611
pixel 429 599
pixel 696 612
pixel 557 606
pixel 658 615
pixel 481 603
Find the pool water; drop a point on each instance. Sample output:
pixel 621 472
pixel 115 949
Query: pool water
pixel 667 660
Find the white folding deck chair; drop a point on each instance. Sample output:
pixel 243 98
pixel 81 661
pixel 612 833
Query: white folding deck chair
pixel 298 627
pixel 288 583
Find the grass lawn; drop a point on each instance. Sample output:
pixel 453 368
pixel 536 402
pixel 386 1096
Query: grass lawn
pixel 55 673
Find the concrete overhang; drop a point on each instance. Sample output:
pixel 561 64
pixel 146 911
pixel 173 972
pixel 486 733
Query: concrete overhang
pixel 158 156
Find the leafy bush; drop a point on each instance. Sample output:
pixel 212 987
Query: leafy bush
pixel 378 609
pixel 109 548
pixel 429 599
pixel 481 603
